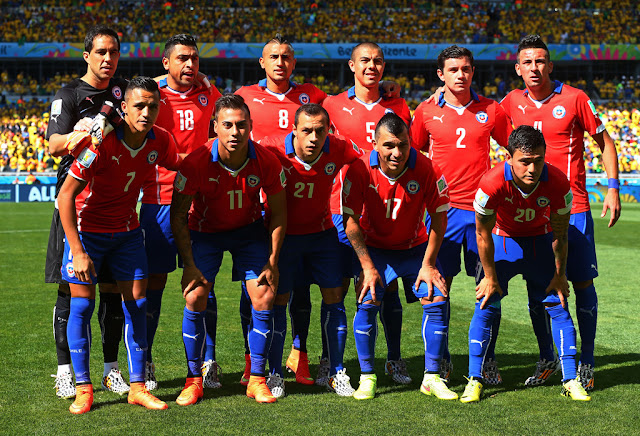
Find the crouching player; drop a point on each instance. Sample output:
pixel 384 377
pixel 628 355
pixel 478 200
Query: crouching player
pixel 311 158
pixel 522 219
pixel 106 229
pixel 223 179
pixel 385 195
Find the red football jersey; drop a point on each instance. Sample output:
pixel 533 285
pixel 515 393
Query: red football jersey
pixel 186 115
pixel 520 214
pixel 563 117
pixel 225 199
pixel 393 209
pixel 273 114
pixel 309 185
pixel 357 121
pixel 457 139
pixel 115 174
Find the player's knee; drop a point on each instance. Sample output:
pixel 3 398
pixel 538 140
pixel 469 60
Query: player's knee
pixel 436 299
pixel 578 286
pixel 157 281
pixel 108 288
pixel 282 299
pixel 332 295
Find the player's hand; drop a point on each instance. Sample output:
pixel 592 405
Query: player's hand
pixel 432 277
pixel 435 96
pixel 270 276
pixel 369 279
pixel 391 89
pixel 83 267
pixel 84 125
pixel 100 128
pixel 202 81
pixel 485 289
pixel 77 141
pixel 612 202
pixel 191 279
pixel 560 284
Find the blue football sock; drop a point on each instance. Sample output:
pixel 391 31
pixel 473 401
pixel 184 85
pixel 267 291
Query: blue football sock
pixel 564 335
pixel 277 340
pixel 335 329
pixel 542 329
pixel 211 318
pixel 495 329
pixel 135 337
pixel 300 313
pixel 365 330
pixel 445 353
pixel 587 315
pixel 193 338
pixel 480 333
pixel 323 320
pixel 260 339
pixel 245 315
pixel 154 303
pixel 434 334
pixel 79 336
pixel 391 317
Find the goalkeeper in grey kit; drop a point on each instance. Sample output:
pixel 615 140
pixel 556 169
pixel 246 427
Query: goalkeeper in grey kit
pixel 80 113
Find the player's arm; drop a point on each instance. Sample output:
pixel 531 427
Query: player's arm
pixel 369 277
pixel 428 271
pixel 560 244
pixel 610 160
pixel 277 229
pixel 489 284
pixel 83 267
pixel 191 275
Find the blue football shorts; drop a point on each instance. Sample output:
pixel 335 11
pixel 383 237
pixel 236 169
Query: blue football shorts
pixel 158 239
pixel 460 234
pixel 345 251
pixel 582 264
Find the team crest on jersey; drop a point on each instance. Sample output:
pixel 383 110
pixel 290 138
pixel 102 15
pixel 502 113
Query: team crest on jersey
pixel 117 92
pixel 152 157
pixel 442 185
pixel 180 182
pixel 86 158
pixel 69 268
pixel 329 168
pixel 559 112
pixel 203 99
pixel 542 202
pixel 482 117
pixel 413 187
pixel 253 180
pixel 389 111
pixel 481 198
pixel 304 98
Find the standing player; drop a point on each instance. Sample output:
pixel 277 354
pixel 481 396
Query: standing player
pixel 456 132
pixel 563 114
pixel 312 158
pixel 385 195
pixel 223 179
pixel 185 110
pixel 82 98
pixel 354 114
pixel 106 228
pixel 522 216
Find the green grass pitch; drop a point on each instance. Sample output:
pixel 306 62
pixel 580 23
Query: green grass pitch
pixel 28 404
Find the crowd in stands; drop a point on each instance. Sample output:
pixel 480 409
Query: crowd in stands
pixel 404 21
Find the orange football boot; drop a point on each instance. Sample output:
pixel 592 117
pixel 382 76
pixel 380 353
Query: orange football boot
pixel 192 392
pixel 258 389
pixel 298 363
pixel 84 399
pixel 141 396
pixel 247 370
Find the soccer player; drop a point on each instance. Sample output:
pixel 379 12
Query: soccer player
pixel 456 133
pixel 522 216
pixel 106 228
pixel 186 108
pixel 354 114
pixel 563 114
pixel 84 97
pixel 311 158
pixel 223 180
pixel 385 195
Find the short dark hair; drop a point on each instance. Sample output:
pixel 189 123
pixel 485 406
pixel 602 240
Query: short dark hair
pixel 142 82
pixel 312 110
pixel 99 30
pixel 179 39
pixel 454 52
pixel 526 139
pixel 279 39
pixel 531 41
pixel 393 124
pixel 366 44
pixel 231 101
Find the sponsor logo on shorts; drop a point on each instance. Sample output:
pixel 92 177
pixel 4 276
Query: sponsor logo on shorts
pixel 559 112
pixel 413 187
pixel 330 168
pixel 304 98
pixel 117 92
pixel 180 182
pixel 253 180
pixel 152 157
pixel 542 202
pixel 204 101
pixel 482 117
